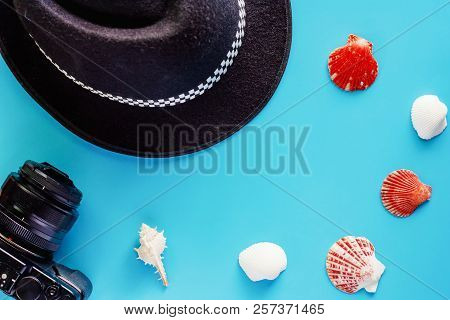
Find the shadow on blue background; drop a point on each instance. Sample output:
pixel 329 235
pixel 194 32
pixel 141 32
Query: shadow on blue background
pixel 356 139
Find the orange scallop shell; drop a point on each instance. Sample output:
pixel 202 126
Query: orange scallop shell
pixel 353 67
pixel 352 265
pixel 402 192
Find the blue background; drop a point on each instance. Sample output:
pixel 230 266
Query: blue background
pixel 356 139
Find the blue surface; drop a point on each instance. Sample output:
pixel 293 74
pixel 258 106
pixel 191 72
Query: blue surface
pixel 355 140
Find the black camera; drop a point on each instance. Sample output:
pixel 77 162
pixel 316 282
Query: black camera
pixel 38 206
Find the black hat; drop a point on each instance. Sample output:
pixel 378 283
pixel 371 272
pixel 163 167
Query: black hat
pixel 152 78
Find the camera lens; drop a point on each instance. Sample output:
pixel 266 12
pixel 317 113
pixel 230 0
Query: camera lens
pixel 37 208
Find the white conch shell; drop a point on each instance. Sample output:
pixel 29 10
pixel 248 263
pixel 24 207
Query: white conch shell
pixel 152 246
pixel 263 261
pixel 428 116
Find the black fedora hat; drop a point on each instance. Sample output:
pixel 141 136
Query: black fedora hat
pixel 151 78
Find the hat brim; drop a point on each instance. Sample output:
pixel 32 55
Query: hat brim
pixel 159 132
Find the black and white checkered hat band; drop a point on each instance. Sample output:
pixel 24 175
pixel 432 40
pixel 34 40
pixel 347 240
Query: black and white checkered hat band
pixel 181 98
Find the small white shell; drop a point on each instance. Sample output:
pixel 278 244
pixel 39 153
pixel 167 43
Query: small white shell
pixel 263 261
pixel 428 116
pixel 153 244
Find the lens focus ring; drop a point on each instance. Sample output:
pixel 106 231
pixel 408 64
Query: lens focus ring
pixel 27 199
pixel 20 231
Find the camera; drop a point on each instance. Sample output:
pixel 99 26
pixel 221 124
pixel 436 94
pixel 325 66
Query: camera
pixel 38 206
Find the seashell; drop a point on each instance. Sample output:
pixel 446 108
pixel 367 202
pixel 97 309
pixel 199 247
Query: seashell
pixel 153 244
pixel 429 116
pixel 352 265
pixel 353 67
pixel 263 261
pixel 402 192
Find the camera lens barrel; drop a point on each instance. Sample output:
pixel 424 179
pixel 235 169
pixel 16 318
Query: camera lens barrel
pixel 38 206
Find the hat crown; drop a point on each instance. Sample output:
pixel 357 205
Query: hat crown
pixel 127 11
pixel 164 63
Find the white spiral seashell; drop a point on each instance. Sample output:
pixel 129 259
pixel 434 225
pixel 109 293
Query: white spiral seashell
pixel 428 115
pixel 263 261
pixel 153 244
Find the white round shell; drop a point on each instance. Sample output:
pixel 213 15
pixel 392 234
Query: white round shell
pixel 263 261
pixel 428 115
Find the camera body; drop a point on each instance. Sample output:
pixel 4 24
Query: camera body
pixel 37 209
pixel 25 279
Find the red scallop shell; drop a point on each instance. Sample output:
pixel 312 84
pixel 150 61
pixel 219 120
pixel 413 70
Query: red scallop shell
pixel 353 67
pixel 402 192
pixel 352 265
